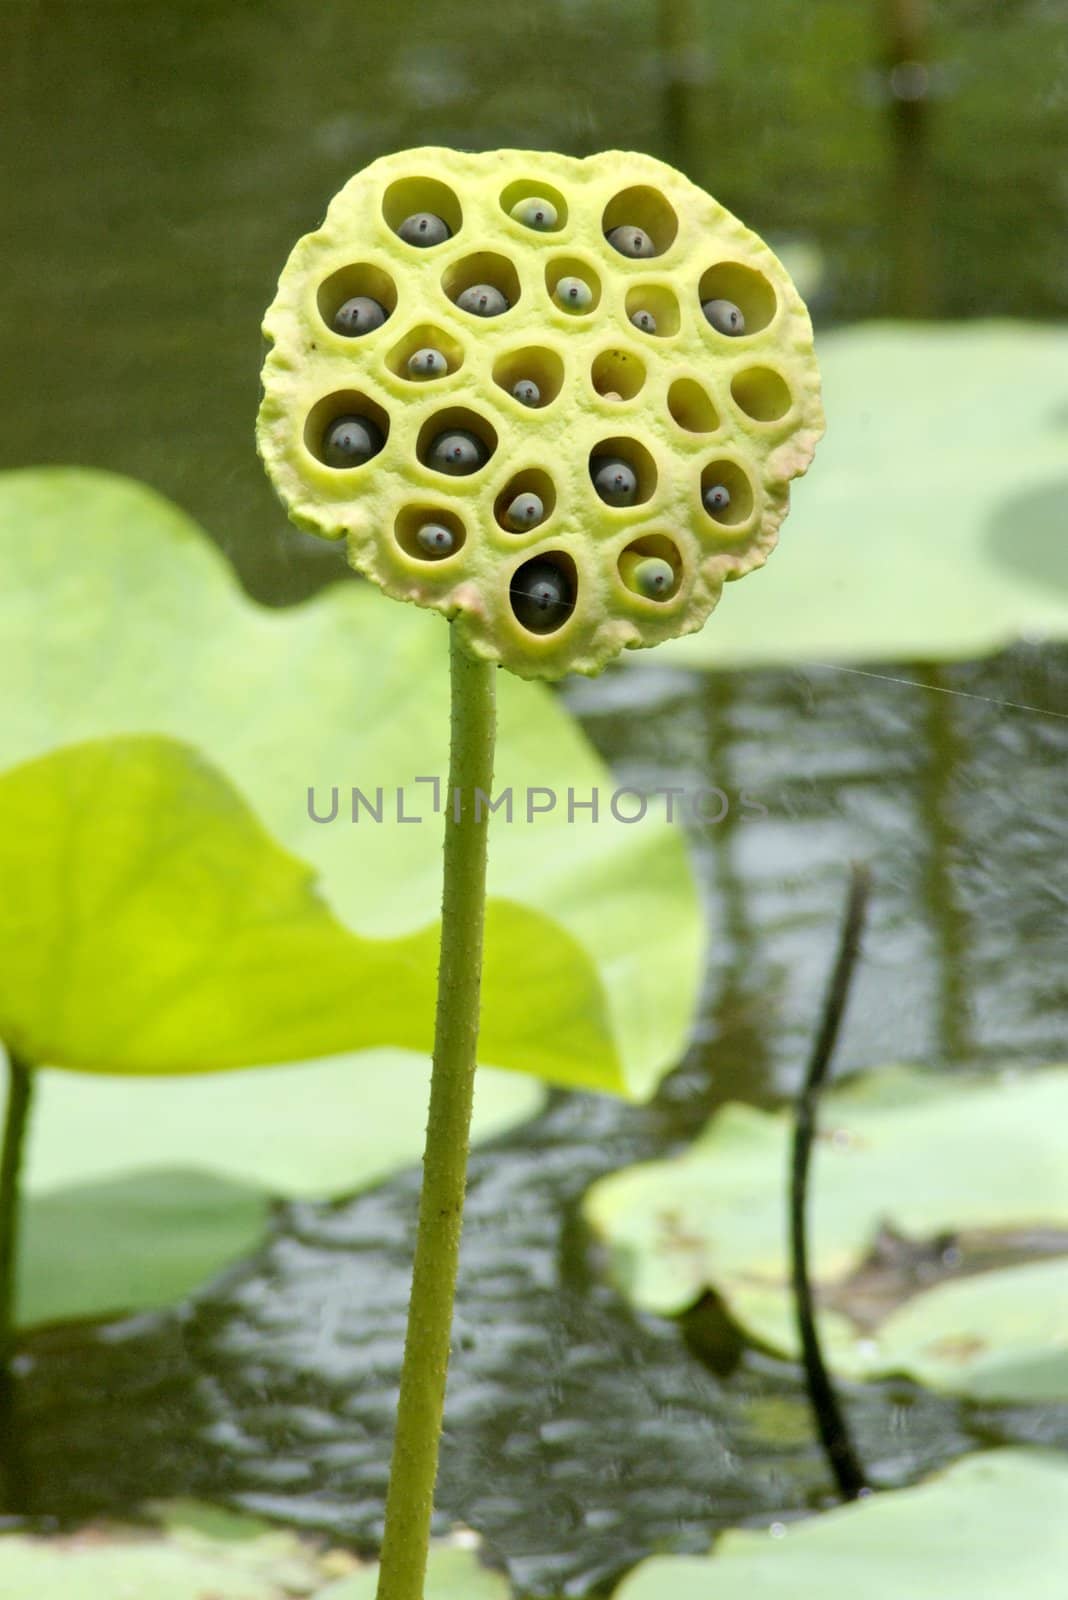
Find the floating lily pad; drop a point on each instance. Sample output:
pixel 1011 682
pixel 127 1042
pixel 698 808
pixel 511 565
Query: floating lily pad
pixel 199 1552
pixel 993 1524
pixel 977 1166
pixel 117 616
pixel 931 526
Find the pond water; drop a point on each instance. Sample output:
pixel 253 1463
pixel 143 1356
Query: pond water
pixel 166 160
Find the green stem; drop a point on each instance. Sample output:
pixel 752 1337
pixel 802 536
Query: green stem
pixel 410 1501
pixel 19 1096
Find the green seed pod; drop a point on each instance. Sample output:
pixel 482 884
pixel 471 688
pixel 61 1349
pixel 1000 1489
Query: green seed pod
pixel 649 576
pixel 716 498
pixel 631 242
pixel 350 441
pixel 359 315
pixel 423 229
pixel 527 392
pixel 535 213
pixel 541 596
pixel 573 295
pixel 427 363
pixel 458 452
pixel 354 444
pixel 725 317
pixel 436 539
pixel 524 512
pixel 614 480
pixel 482 300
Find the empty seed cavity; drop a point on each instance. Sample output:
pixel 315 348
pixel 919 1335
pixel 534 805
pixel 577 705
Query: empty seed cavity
pixel 346 430
pixel 622 472
pixel 356 300
pixel 483 285
pixel 691 407
pixel 543 592
pixel 616 374
pixel 651 567
pixel 535 205
pixel 422 211
pixel 429 533
pixel 761 393
pixel 540 368
pixel 425 352
pixel 654 309
pixel 573 285
pixel 527 500
pixel 640 211
pixel 729 288
pixel 726 493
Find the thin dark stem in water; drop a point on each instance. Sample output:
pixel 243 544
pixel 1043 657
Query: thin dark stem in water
pixel 830 1420
pixel 16 1118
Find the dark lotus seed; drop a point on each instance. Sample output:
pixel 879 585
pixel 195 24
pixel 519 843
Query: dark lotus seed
pixel 359 315
pixel 427 363
pixel 573 294
pixel 527 392
pixel 630 241
pixel 350 441
pixel 644 320
pixel 524 512
pixel 541 596
pixel 457 452
pixel 482 300
pixel 535 213
pixel 724 317
pixel 435 539
pixel 717 498
pixel 423 228
pixel 614 480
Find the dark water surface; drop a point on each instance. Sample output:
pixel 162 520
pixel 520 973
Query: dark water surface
pixel 160 163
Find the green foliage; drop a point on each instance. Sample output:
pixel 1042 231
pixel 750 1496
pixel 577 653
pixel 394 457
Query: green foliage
pixel 193 1552
pixel 119 617
pixel 932 524
pixel 994 1524
pixel 926 1156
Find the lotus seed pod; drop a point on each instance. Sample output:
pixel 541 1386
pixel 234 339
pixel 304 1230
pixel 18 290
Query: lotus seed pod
pixel 423 229
pixel 427 363
pixel 435 539
pixel 573 295
pixel 716 498
pixel 568 591
pixel 482 300
pixel 359 315
pixel 541 596
pixel 631 242
pixel 725 317
pixel 524 512
pixel 350 441
pixel 536 213
pixel 527 392
pixel 458 452
pixel 614 480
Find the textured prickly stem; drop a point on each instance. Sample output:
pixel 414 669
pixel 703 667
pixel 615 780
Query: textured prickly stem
pixel 488 389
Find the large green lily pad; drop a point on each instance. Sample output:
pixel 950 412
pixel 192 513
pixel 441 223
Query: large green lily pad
pixel 931 525
pixel 992 1525
pixel 983 1161
pixel 117 616
pixel 197 1552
